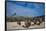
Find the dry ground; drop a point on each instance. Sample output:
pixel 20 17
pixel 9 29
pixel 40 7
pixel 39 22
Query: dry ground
pixel 14 25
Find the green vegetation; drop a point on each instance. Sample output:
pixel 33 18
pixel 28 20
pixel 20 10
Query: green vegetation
pixel 24 18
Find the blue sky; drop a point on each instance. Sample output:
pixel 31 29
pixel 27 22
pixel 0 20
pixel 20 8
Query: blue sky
pixel 23 9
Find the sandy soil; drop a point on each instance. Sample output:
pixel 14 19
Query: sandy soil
pixel 14 25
